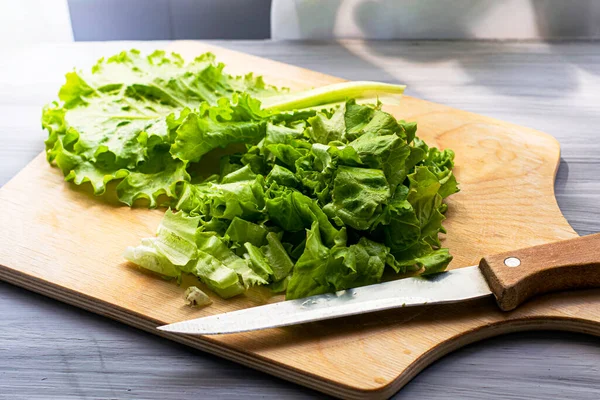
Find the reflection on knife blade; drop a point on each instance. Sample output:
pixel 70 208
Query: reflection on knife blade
pixel 447 287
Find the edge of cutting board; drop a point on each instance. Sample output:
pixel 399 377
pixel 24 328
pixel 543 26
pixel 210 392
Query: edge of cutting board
pixel 300 377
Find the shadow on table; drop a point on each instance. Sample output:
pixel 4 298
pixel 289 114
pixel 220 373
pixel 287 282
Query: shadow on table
pixel 481 62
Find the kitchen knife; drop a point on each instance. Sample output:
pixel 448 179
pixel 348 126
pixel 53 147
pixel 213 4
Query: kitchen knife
pixel 511 277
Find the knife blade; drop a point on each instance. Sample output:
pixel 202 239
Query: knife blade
pixel 446 287
pixel 512 278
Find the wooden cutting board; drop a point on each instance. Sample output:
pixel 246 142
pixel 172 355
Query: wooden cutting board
pixel 61 241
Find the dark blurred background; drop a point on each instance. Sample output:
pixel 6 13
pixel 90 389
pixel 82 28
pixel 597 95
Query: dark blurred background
pixel 170 19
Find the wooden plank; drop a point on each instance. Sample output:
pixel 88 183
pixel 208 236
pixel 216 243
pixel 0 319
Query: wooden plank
pixel 533 231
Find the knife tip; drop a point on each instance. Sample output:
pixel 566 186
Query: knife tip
pixel 165 328
pixel 180 328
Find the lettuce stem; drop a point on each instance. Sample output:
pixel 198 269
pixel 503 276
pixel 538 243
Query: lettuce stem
pixel 329 94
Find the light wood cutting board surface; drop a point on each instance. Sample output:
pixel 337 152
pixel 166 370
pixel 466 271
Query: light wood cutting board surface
pixel 59 240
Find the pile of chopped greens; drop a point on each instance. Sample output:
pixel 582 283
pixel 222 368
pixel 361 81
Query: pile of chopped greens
pixel 307 192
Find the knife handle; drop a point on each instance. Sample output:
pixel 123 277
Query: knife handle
pixel 516 276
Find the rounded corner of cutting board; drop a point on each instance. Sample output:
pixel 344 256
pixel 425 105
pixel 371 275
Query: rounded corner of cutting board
pixel 376 389
pixel 386 390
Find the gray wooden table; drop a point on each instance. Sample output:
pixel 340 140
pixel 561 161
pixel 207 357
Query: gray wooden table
pixel 49 350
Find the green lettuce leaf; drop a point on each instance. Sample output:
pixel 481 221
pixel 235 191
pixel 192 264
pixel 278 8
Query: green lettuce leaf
pixel 148 256
pixel 422 256
pixel 242 231
pixel 293 212
pixel 326 129
pixel 311 264
pixel 180 246
pixel 175 237
pixel 359 195
pixel 258 262
pixel 238 121
pixel 244 199
pixel 356 265
pixel 210 243
pixel 219 278
pixel 280 286
pixel 114 120
pixel 387 152
pixel 426 201
pixel 399 223
pixel 321 269
pixel 171 250
pixel 282 176
pixel 161 175
pixel 277 257
pixel 441 163
pixel 80 171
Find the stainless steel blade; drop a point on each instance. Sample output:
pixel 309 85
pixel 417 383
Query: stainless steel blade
pixel 447 287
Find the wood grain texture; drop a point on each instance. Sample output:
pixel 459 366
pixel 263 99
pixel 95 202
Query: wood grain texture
pixel 518 275
pixel 582 225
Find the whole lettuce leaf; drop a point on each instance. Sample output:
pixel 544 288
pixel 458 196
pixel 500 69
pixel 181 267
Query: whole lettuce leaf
pixel 121 118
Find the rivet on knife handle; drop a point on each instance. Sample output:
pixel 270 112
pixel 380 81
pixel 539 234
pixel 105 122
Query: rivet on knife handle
pixel 518 275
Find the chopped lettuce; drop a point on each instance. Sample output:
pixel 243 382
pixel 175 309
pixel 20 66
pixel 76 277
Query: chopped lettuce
pixel 307 192
pixel 217 276
pixel 210 243
pixel 195 297
pixel 358 196
pixel 277 257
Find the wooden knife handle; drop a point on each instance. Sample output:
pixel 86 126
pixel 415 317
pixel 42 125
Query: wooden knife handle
pixel 516 276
